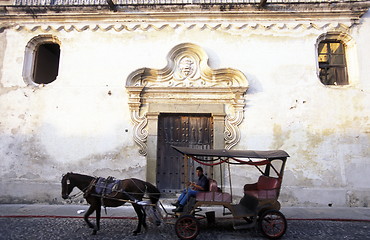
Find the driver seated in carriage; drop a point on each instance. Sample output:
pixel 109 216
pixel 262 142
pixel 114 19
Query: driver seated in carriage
pixel 201 185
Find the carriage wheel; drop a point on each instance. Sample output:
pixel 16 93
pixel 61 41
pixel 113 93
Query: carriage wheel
pixel 272 224
pixel 187 227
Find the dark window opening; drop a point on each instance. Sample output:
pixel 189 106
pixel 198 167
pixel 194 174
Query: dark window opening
pixel 46 63
pixel 332 63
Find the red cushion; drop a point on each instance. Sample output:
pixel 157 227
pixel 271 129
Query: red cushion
pixel 214 195
pixel 212 185
pixel 250 187
pixel 268 182
pixel 265 188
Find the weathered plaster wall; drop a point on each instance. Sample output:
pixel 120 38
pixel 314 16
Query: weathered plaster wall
pixel 325 129
pixel 81 122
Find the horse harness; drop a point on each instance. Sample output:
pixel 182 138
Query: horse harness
pixel 108 188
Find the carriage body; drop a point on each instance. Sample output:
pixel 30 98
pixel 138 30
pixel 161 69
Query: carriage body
pixel 259 206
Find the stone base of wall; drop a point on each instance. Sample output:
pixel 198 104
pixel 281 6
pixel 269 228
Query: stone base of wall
pixel 314 197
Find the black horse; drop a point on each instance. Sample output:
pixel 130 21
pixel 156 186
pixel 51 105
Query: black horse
pixel 128 190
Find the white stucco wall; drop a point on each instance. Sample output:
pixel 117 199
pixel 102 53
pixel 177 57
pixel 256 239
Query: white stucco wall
pixel 81 122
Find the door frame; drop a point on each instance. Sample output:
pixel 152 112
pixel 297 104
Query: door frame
pixel 186 79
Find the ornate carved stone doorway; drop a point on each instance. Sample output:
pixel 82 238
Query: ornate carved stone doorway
pixel 186 85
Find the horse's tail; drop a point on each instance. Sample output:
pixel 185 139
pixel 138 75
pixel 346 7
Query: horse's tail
pixel 153 192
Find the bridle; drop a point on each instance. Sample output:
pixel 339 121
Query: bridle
pixel 68 182
pixel 71 197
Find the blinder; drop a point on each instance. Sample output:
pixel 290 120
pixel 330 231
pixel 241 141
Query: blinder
pixel 67 190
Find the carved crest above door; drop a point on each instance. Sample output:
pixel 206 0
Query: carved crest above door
pixel 187 79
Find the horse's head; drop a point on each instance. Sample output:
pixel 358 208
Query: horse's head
pixel 67 185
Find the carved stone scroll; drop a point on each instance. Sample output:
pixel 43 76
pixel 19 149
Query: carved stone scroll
pixel 140 133
pixel 140 122
pixel 232 131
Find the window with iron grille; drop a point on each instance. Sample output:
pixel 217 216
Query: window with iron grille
pixel 332 63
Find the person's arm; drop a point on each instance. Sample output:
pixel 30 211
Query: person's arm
pixel 197 187
pixel 202 183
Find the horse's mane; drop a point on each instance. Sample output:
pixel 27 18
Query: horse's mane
pixel 86 177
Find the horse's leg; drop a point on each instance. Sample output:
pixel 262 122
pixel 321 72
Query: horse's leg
pixel 86 216
pixel 156 216
pixel 144 218
pixel 139 212
pixel 98 213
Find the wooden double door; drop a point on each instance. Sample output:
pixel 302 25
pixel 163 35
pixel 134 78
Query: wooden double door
pixel 186 130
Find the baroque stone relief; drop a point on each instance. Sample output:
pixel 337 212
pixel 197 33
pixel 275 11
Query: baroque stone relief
pixel 187 78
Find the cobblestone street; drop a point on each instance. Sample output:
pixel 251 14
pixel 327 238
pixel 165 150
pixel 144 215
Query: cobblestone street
pixel 75 228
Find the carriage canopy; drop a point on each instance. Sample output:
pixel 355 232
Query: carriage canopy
pixel 232 153
pixel 213 157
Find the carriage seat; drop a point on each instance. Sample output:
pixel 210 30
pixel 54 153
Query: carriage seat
pixel 265 188
pixel 214 194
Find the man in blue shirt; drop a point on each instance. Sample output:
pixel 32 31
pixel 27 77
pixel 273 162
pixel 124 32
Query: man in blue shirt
pixel 201 185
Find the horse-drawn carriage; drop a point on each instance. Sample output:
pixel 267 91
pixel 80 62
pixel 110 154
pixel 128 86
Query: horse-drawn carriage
pixel 259 207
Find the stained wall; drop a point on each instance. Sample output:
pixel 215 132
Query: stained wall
pixel 81 121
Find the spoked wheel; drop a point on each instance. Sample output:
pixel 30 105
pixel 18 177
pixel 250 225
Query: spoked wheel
pixel 272 224
pixel 187 227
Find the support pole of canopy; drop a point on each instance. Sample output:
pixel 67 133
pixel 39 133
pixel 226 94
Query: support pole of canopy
pixel 112 5
pixel 231 189
pixel 186 171
pixel 263 3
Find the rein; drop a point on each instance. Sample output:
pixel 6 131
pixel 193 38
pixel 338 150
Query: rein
pixel 146 187
pixel 82 192
pixel 76 195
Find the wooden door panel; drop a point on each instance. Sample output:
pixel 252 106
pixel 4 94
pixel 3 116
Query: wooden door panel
pixel 180 130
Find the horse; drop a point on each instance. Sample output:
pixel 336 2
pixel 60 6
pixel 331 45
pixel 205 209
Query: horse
pixel 129 190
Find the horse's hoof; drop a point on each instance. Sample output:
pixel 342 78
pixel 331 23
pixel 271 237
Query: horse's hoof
pixel 134 233
pixel 94 232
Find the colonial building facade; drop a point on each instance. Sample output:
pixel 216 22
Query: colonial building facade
pixel 106 87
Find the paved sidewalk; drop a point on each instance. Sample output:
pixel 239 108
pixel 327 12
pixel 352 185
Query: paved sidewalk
pixel 293 213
